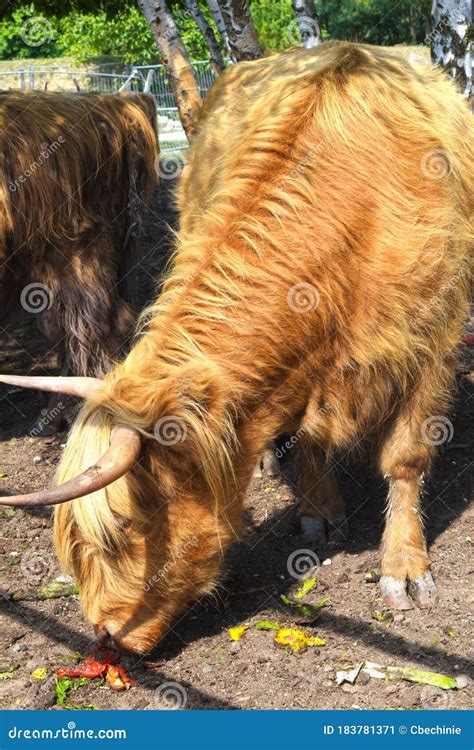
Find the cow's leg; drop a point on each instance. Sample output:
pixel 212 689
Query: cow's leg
pixel 53 417
pixel 56 409
pixel 321 509
pixel 268 463
pixel 404 459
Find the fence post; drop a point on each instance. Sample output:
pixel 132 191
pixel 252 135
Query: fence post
pixel 150 77
pixel 22 80
pixel 32 78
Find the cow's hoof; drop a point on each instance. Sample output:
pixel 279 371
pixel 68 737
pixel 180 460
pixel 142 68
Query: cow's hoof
pixel 313 530
pixel 394 593
pixel 320 531
pixel 423 591
pixel 271 464
pixel 268 466
pixel 338 528
pixel 257 472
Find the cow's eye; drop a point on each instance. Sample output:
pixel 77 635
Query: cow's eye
pixel 124 524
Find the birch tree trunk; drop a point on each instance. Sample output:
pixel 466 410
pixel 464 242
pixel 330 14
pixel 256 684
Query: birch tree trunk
pixel 216 13
pixel 216 58
pixel 176 61
pixel 243 40
pixel 452 39
pixel 307 22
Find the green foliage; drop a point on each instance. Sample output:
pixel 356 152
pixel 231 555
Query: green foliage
pixel 272 20
pixel 81 35
pixel 376 21
pixel 126 36
pixel 19 38
pixel 369 21
pixel 118 29
pixel 65 686
pixel 190 34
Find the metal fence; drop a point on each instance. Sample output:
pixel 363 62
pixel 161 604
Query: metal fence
pixel 149 78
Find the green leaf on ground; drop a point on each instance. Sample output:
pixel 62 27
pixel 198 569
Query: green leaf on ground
pixel 412 674
pixel 267 625
pixel 7 668
pixel 383 615
pixel 428 678
pixel 305 588
pixel 450 632
pixel 307 612
pixel 55 590
pixel 65 686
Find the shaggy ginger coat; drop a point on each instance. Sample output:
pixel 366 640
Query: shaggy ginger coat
pixel 320 283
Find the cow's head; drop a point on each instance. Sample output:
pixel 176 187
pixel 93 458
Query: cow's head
pixel 139 527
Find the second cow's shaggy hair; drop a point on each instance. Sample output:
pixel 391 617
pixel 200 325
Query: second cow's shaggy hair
pixel 320 284
pixel 74 172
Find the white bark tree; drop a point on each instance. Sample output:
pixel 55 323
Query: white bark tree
pixel 452 40
pixel 307 21
pixel 242 36
pixel 176 61
pixel 216 57
pixel 216 13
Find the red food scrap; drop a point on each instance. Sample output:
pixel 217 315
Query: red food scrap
pixel 117 678
pixel 102 663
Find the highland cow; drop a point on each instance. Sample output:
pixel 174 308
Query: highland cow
pixel 319 287
pixel 75 170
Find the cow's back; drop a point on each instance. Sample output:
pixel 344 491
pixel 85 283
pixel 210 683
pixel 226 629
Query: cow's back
pixel 349 169
pixel 336 79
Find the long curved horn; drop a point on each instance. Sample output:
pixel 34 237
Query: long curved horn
pixel 124 451
pixel 82 387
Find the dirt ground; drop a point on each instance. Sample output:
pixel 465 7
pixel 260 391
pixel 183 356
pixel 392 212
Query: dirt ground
pixel 198 665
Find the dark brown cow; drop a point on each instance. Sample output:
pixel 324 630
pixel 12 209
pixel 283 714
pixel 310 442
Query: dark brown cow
pixel 75 171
